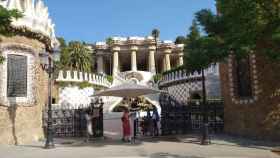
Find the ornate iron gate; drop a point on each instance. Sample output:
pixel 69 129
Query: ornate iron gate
pixel 72 122
pixel 178 118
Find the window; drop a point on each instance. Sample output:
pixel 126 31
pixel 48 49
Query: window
pixel 17 76
pixel 243 78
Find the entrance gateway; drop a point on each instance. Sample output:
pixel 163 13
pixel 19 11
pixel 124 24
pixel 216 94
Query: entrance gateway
pixel 147 60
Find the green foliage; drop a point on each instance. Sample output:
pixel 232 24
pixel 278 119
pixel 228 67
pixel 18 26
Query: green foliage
pixel 200 51
pixel 243 26
pixel 155 33
pixel 6 18
pixel 1 59
pixel 62 42
pixel 174 70
pixel 110 78
pixel 75 56
pixel 240 27
pixel 84 84
pixel 81 85
pixel 180 40
pixel 157 77
pixel 194 32
pixel 79 56
pixel 109 41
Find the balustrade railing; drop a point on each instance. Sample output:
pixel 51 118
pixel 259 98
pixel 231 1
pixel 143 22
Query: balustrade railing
pixel 183 74
pixel 75 76
pixel 179 75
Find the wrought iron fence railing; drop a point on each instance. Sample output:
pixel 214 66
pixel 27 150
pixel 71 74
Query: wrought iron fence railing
pixel 72 122
pixel 178 118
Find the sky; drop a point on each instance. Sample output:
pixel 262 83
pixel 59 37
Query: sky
pixel 95 20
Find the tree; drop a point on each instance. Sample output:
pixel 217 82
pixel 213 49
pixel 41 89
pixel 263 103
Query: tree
pixel 64 61
pixel 198 55
pixel 194 32
pixel 62 42
pixel 6 17
pixel 75 55
pixel 244 26
pixel 180 40
pixel 109 41
pixel 79 56
pixel 200 51
pixel 155 33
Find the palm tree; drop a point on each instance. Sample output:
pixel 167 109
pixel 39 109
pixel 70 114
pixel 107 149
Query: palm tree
pixel 155 34
pixel 79 56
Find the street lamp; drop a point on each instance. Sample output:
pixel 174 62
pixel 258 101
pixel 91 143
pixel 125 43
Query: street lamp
pixel 46 61
pixel 205 136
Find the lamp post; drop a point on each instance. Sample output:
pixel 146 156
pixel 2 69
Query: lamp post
pixel 205 116
pixel 46 61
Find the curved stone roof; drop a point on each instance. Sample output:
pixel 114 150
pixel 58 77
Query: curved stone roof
pixel 36 17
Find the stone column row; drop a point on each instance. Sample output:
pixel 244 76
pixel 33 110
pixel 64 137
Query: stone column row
pixel 152 65
pixel 100 64
pixel 166 60
pixel 116 66
pixel 134 49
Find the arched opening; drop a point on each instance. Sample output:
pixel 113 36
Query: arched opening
pixel 195 96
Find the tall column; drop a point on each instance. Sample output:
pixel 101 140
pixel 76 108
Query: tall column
pixel 100 64
pixel 167 65
pixel 152 65
pixel 133 58
pixel 181 59
pixel 116 60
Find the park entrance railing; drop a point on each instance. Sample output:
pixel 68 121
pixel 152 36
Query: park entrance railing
pixel 178 118
pixel 68 122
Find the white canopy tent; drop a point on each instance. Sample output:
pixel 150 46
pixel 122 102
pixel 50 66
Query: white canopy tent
pixel 128 90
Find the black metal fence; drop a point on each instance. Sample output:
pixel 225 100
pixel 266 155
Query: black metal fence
pixel 72 122
pixel 181 119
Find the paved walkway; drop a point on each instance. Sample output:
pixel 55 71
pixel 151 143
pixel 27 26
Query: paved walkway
pixel 163 147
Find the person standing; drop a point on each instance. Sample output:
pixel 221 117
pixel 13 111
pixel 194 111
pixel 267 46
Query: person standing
pixel 155 118
pixel 126 126
pixel 89 117
pixel 149 123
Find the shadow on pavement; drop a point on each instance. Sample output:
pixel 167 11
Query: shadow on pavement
pixel 224 140
pixel 167 155
pixel 229 140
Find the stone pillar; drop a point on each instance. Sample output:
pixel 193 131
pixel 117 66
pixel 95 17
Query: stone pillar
pixel 167 65
pixel 181 59
pixel 116 60
pixel 152 65
pixel 133 58
pixel 100 64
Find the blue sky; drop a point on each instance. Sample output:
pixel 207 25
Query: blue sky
pixel 95 20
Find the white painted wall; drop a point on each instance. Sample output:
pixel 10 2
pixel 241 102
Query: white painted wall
pixel 74 97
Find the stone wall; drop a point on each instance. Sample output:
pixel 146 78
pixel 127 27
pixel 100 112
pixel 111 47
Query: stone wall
pixel 257 117
pixel 20 119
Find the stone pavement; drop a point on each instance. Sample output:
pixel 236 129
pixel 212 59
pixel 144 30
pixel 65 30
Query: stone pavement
pixel 163 147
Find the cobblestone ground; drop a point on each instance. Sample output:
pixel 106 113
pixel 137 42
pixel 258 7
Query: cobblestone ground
pixel 163 147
